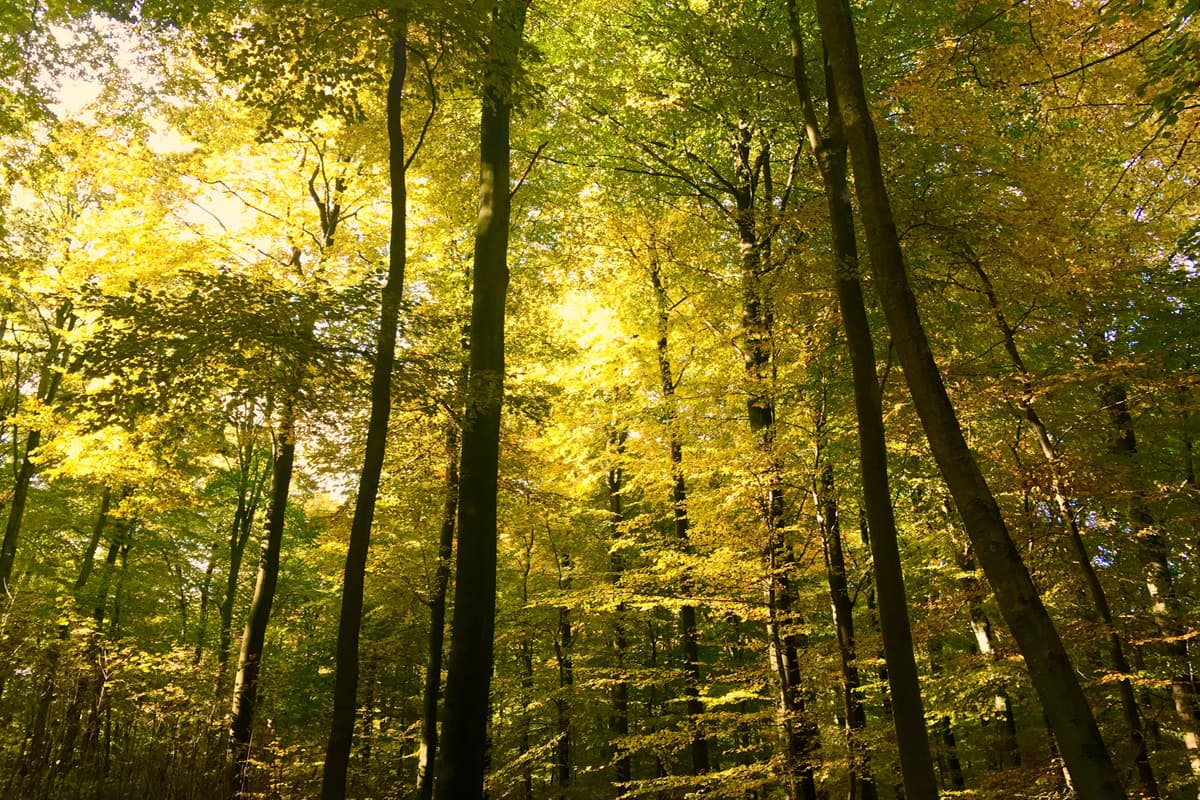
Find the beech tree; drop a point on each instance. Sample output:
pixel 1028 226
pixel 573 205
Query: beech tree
pixel 709 506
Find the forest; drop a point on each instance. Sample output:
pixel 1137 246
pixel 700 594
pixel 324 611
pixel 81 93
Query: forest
pixel 534 400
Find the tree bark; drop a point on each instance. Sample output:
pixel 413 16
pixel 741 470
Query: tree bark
pixel 462 759
pixel 1084 752
pixel 618 719
pixel 1152 552
pixel 437 621
pixel 862 785
pixel 345 691
pixel 800 735
pixel 566 686
pixel 250 489
pixel 89 553
pixel 1135 728
pixel 908 713
pixel 688 634
pixel 49 379
pixel 245 686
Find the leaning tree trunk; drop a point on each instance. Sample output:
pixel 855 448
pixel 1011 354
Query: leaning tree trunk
pixel 345 690
pixel 462 758
pixel 908 713
pixel 1083 750
pixel 89 553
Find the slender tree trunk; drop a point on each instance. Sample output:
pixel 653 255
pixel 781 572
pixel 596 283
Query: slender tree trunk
pixel 55 361
pixel 525 723
pixel 679 500
pixel 245 687
pixel 1083 749
pixel 1152 552
pixel 618 720
pixel 948 761
pixel 250 489
pixel 437 621
pixel 345 691
pixel 1008 754
pixel 566 685
pixel 1135 729
pixel 89 553
pixel 862 784
pixel 120 538
pixel 462 759
pixel 205 599
pixel 908 714
pixel 800 735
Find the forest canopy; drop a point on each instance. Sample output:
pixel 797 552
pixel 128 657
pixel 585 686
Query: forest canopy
pixel 730 398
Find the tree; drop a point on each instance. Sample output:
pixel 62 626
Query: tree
pixel 463 755
pixel 1084 752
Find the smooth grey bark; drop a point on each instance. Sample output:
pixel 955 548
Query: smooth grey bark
pixel 345 691
pixel 462 758
pixel 1083 750
pixel 907 709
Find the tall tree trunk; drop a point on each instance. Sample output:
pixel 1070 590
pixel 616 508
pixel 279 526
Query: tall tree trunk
pixel 1135 729
pixel 245 686
pixel 618 719
pixel 908 713
pixel 437 621
pixel 1084 752
pixel 462 759
pixel 205 600
pixel 679 501
pixel 566 685
pixel 345 691
pixel 862 785
pixel 1151 550
pixel 800 735
pixel 250 488
pixel 56 359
